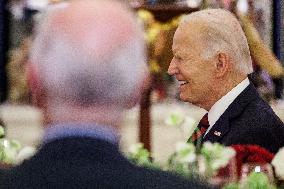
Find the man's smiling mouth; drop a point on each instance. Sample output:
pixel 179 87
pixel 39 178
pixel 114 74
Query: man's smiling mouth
pixel 183 82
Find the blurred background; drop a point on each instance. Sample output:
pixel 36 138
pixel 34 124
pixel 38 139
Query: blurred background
pixel 160 120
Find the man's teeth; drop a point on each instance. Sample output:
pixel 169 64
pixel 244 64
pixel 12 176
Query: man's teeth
pixel 183 82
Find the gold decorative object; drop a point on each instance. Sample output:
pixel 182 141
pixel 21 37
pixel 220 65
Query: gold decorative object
pixel 262 55
pixel 17 81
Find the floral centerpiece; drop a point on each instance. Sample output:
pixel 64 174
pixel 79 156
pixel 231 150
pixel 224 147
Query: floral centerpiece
pixel 212 159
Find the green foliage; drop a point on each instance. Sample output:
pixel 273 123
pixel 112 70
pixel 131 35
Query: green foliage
pixel 257 181
pixel 231 186
pixel 141 156
pixel 175 118
pixel 2 131
pixel 9 150
pixel 215 156
pixel 183 160
pixel 253 181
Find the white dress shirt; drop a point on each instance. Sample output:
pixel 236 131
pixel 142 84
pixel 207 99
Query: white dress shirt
pixel 221 105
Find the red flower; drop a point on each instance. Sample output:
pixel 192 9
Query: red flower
pixel 251 154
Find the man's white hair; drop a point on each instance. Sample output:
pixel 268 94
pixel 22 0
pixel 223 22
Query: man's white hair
pixel 221 32
pixel 73 74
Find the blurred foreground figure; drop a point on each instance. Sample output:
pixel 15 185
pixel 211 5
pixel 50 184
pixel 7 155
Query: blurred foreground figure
pixel 87 65
pixel 212 62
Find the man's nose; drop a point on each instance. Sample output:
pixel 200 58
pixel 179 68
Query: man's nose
pixel 172 68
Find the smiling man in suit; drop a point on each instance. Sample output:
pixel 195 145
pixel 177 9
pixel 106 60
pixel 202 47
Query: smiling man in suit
pixel 87 66
pixel 212 63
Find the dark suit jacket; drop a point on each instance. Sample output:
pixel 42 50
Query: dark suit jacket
pixel 86 163
pixel 248 120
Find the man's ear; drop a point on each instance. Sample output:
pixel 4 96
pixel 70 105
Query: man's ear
pixel 222 64
pixel 33 82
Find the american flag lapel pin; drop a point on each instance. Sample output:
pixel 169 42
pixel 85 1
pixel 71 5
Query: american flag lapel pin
pixel 217 133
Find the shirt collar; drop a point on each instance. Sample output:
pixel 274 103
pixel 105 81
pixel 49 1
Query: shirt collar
pixel 92 130
pixel 222 104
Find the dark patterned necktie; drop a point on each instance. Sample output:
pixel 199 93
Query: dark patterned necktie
pixel 200 130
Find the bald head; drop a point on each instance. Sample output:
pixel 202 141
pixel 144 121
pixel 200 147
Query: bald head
pixel 220 31
pixel 90 52
pixel 101 26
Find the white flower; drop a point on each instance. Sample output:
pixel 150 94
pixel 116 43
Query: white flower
pixel 189 125
pixel 278 164
pixel 135 148
pixel 185 152
pixel 25 153
pixel 175 118
pixel 217 155
pixel 139 155
pixel 9 150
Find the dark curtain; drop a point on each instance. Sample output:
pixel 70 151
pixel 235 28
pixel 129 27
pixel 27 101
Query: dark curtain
pixel 276 17
pixel 4 33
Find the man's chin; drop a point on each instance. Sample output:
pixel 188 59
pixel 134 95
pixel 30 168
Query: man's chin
pixel 187 99
pixel 184 98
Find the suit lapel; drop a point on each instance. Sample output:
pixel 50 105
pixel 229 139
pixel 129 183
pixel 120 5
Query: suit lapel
pixel 219 129
pixel 222 126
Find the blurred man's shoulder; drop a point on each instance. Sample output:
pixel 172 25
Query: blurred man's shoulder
pixel 154 178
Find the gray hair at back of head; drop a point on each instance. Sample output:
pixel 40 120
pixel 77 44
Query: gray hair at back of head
pixel 72 74
pixel 221 32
